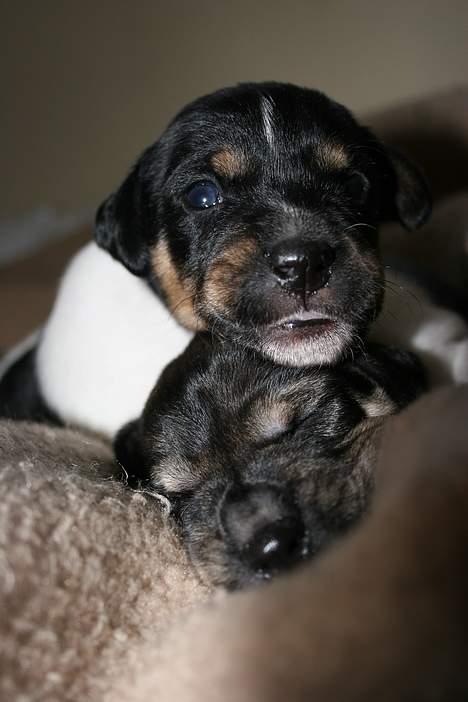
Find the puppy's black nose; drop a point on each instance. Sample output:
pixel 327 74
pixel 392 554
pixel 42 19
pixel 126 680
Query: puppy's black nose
pixel 276 547
pixel 301 268
pixel 262 527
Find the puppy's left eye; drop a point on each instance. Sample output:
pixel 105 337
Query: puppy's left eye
pixel 203 194
pixel 357 186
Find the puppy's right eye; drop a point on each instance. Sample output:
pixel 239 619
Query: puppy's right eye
pixel 203 194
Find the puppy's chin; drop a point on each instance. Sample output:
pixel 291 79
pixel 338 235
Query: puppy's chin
pixel 322 343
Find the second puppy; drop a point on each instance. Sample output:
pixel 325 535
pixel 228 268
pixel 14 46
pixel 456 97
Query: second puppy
pixel 263 464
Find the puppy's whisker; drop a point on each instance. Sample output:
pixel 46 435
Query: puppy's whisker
pixel 359 224
pixel 361 344
pixel 406 294
pixel 393 287
pixel 381 320
pixel 183 301
pixel 122 468
pixel 189 298
pixel 393 290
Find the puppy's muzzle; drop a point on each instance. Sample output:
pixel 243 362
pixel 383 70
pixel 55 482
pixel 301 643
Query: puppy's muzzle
pixel 263 528
pixel 301 268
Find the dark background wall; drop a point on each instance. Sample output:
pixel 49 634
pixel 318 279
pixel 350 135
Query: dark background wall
pixel 85 85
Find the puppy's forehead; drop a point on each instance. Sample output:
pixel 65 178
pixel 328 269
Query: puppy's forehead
pixel 235 125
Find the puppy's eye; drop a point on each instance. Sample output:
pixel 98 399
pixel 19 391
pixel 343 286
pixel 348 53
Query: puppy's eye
pixel 203 194
pixel 357 187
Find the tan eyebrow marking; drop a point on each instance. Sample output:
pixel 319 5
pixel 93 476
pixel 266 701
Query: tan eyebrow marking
pixel 332 155
pixel 229 162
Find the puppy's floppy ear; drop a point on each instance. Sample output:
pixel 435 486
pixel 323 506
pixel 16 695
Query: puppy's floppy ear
pixel 410 199
pixel 121 228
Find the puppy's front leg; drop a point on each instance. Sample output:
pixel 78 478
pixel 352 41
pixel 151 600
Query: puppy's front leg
pixel 134 443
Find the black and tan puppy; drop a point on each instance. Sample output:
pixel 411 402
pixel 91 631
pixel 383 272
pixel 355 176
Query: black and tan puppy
pixel 254 216
pixel 263 464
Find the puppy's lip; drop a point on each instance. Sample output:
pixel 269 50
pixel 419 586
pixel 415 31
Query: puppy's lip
pixel 304 318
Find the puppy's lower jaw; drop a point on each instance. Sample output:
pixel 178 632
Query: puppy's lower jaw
pixel 313 342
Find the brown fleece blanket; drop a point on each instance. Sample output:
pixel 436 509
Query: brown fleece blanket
pixel 88 568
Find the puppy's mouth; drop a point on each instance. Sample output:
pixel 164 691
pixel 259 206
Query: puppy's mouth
pixel 307 322
pixel 306 338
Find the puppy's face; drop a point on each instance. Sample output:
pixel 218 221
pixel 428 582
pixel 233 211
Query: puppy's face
pixel 263 464
pixel 256 216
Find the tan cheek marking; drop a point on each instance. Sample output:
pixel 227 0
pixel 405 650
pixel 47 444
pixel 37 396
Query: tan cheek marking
pixel 225 274
pixel 378 404
pixel 180 293
pixel 332 156
pixel 229 163
pixel 267 419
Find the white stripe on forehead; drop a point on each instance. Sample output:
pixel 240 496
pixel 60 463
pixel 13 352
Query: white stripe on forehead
pixel 268 106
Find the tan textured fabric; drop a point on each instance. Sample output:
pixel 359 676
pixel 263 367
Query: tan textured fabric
pixel 87 568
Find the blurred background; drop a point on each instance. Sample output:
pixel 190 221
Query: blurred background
pixel 86 85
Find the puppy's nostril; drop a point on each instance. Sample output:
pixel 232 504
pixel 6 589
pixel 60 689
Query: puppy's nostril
pixel 300 268
pixel 276 547
pixel 289 268
pixel 326 257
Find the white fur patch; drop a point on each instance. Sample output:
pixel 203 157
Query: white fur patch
pixel 105 343
pixel 268 107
